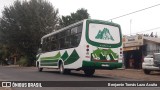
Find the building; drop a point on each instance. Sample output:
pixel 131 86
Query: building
pixel 136 47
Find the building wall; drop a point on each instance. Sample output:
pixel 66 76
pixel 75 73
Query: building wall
pixel 152 47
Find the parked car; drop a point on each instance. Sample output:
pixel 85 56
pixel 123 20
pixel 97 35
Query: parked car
pixel 151 63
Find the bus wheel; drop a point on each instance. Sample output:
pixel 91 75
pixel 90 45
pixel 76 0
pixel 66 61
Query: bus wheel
pixel 64 71
pixel 147 71
pixel 89 72
pixel 61 68
pixel 39 68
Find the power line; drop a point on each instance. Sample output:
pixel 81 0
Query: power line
pixel 147 30
pixel 134 12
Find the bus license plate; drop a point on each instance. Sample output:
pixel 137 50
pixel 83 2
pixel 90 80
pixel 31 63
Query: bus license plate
pixel 105 65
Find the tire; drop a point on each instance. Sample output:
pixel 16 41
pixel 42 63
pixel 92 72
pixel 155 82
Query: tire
pixel 147 71
pixel 62 70
pixel 89 72
pixel 39 68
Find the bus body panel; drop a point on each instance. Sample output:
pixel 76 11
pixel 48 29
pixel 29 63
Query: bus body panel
pixel 100 54
pixel 89 53
pixel 71 61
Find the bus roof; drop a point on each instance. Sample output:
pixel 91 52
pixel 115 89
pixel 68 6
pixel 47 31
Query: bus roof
pixel 52 33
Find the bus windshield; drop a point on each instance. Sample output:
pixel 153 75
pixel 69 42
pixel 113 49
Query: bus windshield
pixel 102 33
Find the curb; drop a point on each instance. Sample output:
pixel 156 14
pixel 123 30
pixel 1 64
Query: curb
pixel 5 88
pixel 11 66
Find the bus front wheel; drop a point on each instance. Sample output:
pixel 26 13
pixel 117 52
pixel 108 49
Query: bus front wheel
pixel 39 68
pixel 62 70
pixel 89 72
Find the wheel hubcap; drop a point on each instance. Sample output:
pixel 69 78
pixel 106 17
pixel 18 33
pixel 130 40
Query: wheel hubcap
pixel 61 69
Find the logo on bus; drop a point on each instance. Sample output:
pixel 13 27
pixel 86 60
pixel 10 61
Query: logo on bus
pixel 104 34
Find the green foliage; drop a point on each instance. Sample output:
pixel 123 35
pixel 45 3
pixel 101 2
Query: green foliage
pixel 4 52
pixel 24 23
pixel 74 17
pixel 23 61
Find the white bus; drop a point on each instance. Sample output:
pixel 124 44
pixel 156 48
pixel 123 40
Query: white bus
pixel 86 45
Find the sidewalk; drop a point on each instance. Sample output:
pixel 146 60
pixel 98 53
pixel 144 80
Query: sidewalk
pixel 131 74
pixel 5 88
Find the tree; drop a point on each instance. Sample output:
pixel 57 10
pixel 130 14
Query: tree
pixel 74 17
pixel 24 23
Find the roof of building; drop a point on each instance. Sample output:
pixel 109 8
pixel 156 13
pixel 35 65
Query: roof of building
pixel 152 39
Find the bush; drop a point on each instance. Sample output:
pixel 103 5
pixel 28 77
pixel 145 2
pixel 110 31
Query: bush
pixel 23 61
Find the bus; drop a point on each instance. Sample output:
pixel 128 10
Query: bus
pixel 86 45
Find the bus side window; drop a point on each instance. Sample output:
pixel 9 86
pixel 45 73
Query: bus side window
pixel 66 39
pixel 62 43
pixel 78 38
pixel 75 40
pixel 54 45
pixel 62 34
pixel 67 42
pixel 67 32
pixel 79 29
pixel 57 36
pixel 48 44
pixel 44 45
pixel 74 30
pixel 76 35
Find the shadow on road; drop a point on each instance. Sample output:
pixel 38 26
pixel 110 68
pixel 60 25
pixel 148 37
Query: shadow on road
pixel 155 73
pixel 76 74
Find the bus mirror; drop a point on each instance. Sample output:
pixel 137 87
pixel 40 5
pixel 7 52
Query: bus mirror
pixel 40 46
pixel 39 50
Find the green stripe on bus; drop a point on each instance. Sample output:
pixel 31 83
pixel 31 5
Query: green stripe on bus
pixel 53 60
pixel 72 58
pixel 58 55
pixel 64 56
pixel 50 64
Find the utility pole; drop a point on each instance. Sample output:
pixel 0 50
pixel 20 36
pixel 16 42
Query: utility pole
pixel 130 26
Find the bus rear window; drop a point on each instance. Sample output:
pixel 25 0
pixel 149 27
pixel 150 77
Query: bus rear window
pixel 102 33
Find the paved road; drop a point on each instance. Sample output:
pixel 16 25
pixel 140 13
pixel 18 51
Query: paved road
pixel 31 74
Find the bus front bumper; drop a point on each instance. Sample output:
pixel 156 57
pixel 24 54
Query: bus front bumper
pixel 101 65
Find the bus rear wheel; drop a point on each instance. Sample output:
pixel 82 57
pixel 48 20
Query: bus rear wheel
pixel 147 71
pixel 89 72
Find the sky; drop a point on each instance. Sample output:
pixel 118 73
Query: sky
pixel 140 22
